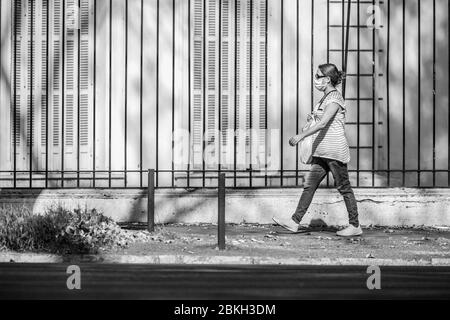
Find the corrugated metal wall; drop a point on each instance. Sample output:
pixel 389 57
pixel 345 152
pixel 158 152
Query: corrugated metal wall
pixel 120 76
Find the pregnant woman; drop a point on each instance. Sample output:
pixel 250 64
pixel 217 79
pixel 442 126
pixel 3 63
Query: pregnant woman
pixel 330 152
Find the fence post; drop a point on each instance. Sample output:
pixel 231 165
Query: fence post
pixel 221 211
pixel 151 201
pixel 347 32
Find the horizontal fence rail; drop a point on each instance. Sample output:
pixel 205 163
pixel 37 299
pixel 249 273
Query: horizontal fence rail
pixel 93 93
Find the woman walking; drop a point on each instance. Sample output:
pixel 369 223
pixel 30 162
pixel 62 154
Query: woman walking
pixel 330 151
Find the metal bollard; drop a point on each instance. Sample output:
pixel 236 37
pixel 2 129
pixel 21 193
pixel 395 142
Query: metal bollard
pixel 151 201
pixel 221 211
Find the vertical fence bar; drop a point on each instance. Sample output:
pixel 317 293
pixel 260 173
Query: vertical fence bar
pixel 78 101
pixel 125 164
pixel 221 212
pixel 342 43
pixel 358 84
pixel 328 31
pixel 110 94
pixel 312 55
pixel 282 94
pixel 15 96
pixel 235 89
pixel 189 94
pixel 151 201
pixel 157 92
pixel 219 79
pixel 374 96
pixel 297 93
pixel 388 91
pixel 265 82
pixel 251 92
pixel 347 34
pixel 328 56
pixel 404 91
pixel 63 88
pixel 434 93
pixel 1 56
pixel 419 73
pixel 94 104
pixel 373 92
pixel 141 62
pixel 448 97
pixel 204 93
pixel 173 92
pixel 31 4
pixel 47 29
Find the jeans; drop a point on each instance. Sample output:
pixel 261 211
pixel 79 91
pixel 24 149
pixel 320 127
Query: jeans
pixel 319 169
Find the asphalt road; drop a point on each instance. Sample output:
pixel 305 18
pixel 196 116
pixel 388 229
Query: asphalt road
pixel 125 281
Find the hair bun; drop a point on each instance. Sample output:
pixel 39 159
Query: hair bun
pixel 342 74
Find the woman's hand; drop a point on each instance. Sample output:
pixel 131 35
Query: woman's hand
pixel 309 118
pixel 296 139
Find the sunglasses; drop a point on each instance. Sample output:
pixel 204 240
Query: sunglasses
pixel 317 76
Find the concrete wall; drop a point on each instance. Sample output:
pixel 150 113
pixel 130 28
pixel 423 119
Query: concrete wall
pixel 390 207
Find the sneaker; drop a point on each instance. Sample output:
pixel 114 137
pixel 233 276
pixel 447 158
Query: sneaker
pixel 288 224
pixel 350 231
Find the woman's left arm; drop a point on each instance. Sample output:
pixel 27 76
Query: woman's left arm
pixel 330 112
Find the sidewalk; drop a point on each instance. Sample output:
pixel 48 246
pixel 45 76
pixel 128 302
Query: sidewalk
pixel 266 244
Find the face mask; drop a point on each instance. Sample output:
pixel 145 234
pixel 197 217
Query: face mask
pixel 320 84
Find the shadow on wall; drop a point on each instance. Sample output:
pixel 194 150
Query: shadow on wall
pixel 417 139
pixel 139 210
pixel 414 92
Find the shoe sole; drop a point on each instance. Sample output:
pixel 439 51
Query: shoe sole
pixel 284 226
pixel 291 232
pixel 352 235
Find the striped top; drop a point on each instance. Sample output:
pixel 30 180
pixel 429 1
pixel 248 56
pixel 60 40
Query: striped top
pixel 331 141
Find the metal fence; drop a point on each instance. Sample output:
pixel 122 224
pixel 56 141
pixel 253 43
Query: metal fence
pixel 94 93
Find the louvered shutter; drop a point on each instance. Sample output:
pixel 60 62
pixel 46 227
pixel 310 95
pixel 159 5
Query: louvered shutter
pixel 30 8
pixel 31 83
pixel 243 80
pixel 41 131
pixel 70 89
pixel 212 68
pixel 17 120
pixel 250 71
pixel 29 50
pixel 86 84
pixel 197 80
pixel 75 17
pixel 259 82
pixel 227 83
pixel 55 84
pixel 38 55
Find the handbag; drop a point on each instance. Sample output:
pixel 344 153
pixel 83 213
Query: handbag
pixel 306 145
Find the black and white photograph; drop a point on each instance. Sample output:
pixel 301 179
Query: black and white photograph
pixel 224 155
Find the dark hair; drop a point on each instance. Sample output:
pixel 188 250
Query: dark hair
pixel 331 71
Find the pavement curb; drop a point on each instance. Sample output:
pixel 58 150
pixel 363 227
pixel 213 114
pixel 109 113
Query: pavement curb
pixel 213 260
